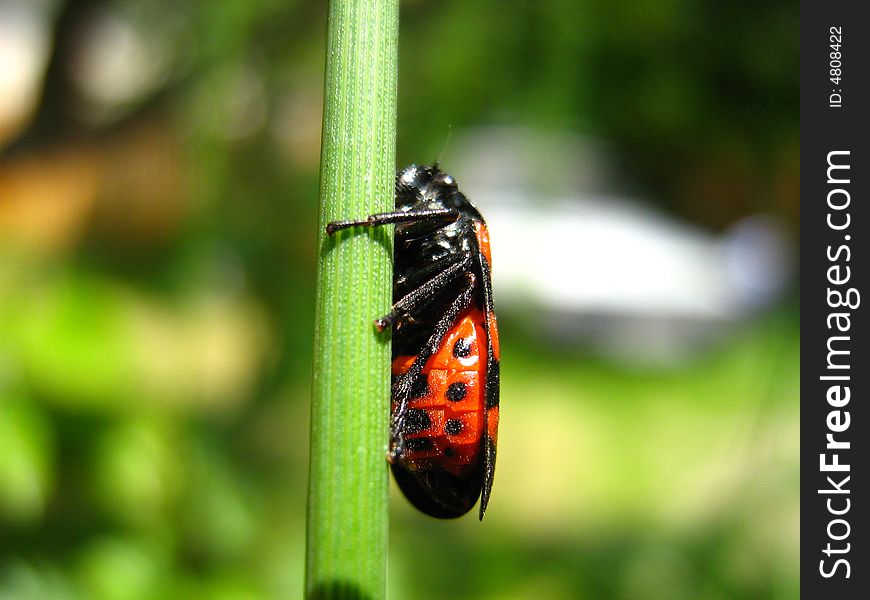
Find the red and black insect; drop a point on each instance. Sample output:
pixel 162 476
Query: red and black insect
pixel 445 369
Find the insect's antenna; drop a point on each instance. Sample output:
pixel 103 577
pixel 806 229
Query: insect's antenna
pixel 437 160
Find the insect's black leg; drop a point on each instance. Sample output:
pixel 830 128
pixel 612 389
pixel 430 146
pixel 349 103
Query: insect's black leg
pixel 422 293
pixel 403 385
pixel 435 214
pixel 414 279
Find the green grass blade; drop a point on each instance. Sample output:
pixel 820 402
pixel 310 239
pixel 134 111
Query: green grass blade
pixel 348 485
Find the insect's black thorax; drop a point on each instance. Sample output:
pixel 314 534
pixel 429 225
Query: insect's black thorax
pixel 424 249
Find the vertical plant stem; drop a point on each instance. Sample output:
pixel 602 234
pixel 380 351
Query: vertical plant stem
pixel 347 524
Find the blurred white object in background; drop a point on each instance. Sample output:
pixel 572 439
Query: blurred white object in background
pixel 114 62
pixel 587 262
pixel 25 45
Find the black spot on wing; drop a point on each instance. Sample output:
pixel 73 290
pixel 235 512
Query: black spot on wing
pixel 416 420
pixel 462 348
pixel 456 391
pixel 453 427
pixel 420 387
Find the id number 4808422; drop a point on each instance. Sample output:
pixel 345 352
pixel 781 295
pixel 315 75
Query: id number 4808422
pixel 835 62
pixel 835 66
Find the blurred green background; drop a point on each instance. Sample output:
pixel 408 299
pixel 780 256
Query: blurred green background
pixel 158 190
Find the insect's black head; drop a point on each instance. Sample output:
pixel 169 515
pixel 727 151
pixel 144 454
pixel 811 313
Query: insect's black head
pixel 423 184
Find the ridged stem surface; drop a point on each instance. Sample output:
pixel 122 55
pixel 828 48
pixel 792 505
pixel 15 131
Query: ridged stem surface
pixel 347 527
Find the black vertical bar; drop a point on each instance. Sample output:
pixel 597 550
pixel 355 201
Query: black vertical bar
pixel 834 331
